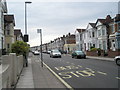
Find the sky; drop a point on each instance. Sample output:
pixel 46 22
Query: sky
pixel 58 17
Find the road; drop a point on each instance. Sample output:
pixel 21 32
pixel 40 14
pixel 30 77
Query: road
pixel 85 73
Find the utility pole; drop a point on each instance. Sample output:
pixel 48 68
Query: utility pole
pixel 40 31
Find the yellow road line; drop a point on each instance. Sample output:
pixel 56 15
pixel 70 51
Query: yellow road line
pixel 102 73
pixel 117 78
pixel 66 84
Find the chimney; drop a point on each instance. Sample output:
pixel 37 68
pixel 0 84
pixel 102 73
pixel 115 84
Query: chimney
pixel 108 17
pixel 68 34
pixel 63 36
pixel 117 18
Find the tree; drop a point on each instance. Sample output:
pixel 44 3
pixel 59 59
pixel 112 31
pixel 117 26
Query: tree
pixel 20 48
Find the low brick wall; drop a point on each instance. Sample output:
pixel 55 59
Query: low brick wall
pixel 91 53
pixel 111 54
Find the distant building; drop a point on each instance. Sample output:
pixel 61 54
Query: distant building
pixel 70 43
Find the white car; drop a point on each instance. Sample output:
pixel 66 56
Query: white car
pixel 55 53
pixel 117 60
pixel 48 52
pixel 36 53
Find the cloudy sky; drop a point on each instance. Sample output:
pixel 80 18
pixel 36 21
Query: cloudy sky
pixel 59 17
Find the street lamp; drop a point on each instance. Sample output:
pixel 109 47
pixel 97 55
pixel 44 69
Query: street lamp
pixel 26 35
pixel 40 31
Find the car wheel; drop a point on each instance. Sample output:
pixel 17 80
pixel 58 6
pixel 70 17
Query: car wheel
pixel 75 57
pixel 118 62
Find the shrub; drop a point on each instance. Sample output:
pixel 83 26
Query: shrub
pixel 93 49
pixel 20 48
pixel 98 49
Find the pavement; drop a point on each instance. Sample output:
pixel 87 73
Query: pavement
pixel 36 76
pixel 101 58
pixel 47 78
pixel 26 77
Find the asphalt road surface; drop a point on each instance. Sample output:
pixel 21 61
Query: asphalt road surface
pixel 85 73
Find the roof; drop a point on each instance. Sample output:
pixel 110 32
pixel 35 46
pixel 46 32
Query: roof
pixel 92 24
pixel 101 20
pixel 9 19
pixel 106 21
pixel 17 32
pixel 80 30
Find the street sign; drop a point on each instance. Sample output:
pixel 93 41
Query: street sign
pixel 26 37
pixel 38 30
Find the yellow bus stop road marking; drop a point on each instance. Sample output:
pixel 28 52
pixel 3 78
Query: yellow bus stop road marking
pixel 117 78
pixel 102 73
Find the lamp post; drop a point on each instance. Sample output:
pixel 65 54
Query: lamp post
pixel 40 31
pixel 26 36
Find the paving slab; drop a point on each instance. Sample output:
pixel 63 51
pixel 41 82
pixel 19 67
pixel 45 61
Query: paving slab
pixel 26 77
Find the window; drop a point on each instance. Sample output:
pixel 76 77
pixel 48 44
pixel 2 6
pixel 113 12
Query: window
pixel 100 45
pixel 89 34
pixel 93 34
pixel 8 32
pixel 84 35
pixel 8 45
pixel 119 26
pixel 94 45
pixel 112 28
pixel 80 37
pixel 103 32
pixel 99 33
pixel 104 45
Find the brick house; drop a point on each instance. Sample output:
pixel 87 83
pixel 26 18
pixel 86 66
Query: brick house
pixel 70 43
pixel 102 26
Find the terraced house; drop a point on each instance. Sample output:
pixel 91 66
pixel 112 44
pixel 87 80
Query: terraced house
pixel 104 34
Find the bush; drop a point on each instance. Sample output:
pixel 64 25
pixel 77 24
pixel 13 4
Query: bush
pixel 20 48
pixel 93 49
pixel 98 49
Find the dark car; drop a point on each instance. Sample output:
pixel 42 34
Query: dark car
pixel 78 54
pixel 117 60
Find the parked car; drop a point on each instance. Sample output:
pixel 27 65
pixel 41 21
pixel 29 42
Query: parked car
pixel 48 52
pixel 55 53
pixel 117 60
pixel 78 54
pixel 36 53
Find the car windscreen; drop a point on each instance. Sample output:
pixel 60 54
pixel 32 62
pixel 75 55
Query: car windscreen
pixel 79 52
pixel 56 51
